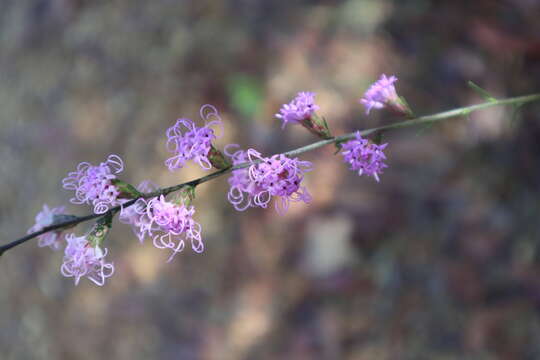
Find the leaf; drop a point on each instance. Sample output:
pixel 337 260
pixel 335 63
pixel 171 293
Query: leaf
pixel 483 93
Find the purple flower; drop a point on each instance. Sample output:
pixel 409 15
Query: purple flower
pixel 188 142
pixel 364 156
pixel 94 184
pixel 278 176
pixel 46 218
pixel 83 259
pixel 300 108
pixel 380 93
pixel 176 224
pixel 136 215
pixel 243 189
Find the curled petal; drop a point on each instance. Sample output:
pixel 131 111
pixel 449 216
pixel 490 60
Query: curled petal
pixel 82 167
pixel 208 112
pixel 172 144
pixel 71 181
pixel 235 195
pixel 282 205
pixel 116 163
pixel 204 163
pixel 262 199
pixel 147 186
pixel 195 235
pixel 231 146
pixel 74 200
pixel 255 154
pixel 101 208
pixel 211 116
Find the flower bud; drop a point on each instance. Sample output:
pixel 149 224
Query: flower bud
pixel 217 159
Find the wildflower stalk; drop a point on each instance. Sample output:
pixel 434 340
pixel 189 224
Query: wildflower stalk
pixel 463 111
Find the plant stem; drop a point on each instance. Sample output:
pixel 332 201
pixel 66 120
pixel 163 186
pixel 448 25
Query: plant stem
pixel 338 139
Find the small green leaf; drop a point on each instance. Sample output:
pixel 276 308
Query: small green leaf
pixel 483 93
pixel 100 230
pixel 405 107
pixel 126 190
pixel 187 195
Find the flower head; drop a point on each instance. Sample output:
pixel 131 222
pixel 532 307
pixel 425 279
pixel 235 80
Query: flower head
pixel 81 258
pixel 176 225
pixel 299 109
pixel 136 215
pixel 94 184
pixel 364 156
pixel 380 93
pixel 243 189
pixel 188 142
pixel 46 218
pixel 277 175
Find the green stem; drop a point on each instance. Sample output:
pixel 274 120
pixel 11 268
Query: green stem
pixel 338 139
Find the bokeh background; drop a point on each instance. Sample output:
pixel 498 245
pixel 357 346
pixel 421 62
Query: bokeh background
pixel 440 260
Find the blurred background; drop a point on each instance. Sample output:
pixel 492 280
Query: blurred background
pixel 440 260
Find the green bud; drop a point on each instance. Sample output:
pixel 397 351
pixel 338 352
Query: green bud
pixel 127 191
pixel 217 159
pixel 401 107
pixel 318 126
pixel 186 195
pixel 100 230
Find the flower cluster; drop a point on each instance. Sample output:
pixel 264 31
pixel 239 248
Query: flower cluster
pixel 188 142
pixel 242 188
pixel 266 177
pixel 300 108
pixel 81 258
pixel 380 93
pixel 173 221
pixel 364 157
pixel 175 224
pixel 135 215
pixel 255 180
pixel 46 218
pixel 95 184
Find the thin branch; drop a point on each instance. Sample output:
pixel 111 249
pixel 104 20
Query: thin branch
pixel 338 139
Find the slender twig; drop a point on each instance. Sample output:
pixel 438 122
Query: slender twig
pixel 338 139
